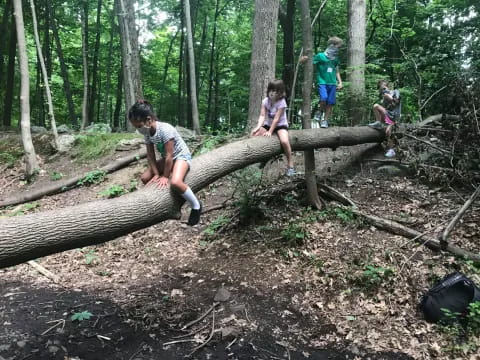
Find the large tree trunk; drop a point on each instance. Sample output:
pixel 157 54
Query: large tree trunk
pixel 63 68
pixel 356 60
pixel 30 156
pixel 191 67
pixel 309 155
pixel 132 75
pixel 28 237
pixel 46 83
pixel 108 80
pixel 262 66
pixel 208 117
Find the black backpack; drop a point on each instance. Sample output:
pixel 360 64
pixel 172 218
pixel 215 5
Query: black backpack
pixel 455 292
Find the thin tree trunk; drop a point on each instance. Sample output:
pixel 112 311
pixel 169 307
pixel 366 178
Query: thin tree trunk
pixel 165 72
pixel 63 69
pixel 180 72
pixel 108 81
pixel 3 37
pixel 47 48
pixel 118 102
pixel 10 82
pixel 30 156
pixel 309 155
pixel 45 77
pixel 264 42
pixel 287 23
pixel 191 59
pixel 356 60
pixel 96 50
pixel 208 117
pixel 84 21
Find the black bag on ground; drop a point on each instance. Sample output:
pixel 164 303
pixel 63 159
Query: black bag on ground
pixel 455 292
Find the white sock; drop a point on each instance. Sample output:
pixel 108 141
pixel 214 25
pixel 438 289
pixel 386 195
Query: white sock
pixel 191 199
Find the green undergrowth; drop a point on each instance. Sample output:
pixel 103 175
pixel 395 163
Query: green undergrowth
pixel 10 151
pixel 93 146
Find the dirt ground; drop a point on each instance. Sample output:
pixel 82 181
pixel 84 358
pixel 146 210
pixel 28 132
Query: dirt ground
pixel 286 283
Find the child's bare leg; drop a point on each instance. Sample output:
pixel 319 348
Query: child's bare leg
pixel 180 168
pixel 328 111
pixel 148 174
pixel 283 136
pixel 379 112
pixel 323 105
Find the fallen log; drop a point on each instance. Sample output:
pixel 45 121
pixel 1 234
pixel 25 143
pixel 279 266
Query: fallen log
pixel 60 186
pixel 35 235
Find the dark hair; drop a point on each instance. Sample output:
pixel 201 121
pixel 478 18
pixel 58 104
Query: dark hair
pixel 278 86
pixel 140 110
pixel 382 83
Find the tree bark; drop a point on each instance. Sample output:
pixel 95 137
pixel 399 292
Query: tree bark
pixel 63 68
pixel 30 156
pixel 132 75
pixel 309 155
pixel 208 117
pixel 96 50
pixel 262 67
pixel 3 37
pixel 191 67
pixel 287 19
pixel 108 81
pixel 118 103
pixel 28 237
pixel 8 104
pixel 53 124
pixel 84 21
pixel 356 60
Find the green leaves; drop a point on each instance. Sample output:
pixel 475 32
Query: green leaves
pixel 80 316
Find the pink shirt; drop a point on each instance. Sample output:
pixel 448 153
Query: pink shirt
pixel 271 110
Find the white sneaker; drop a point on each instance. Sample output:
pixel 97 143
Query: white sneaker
pixel 290 172
pixel 324 124
pixel 376 125
pixel 390 153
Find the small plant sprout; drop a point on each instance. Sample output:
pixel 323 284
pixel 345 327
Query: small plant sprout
pixel 80 316
pixel 93 177
pixel 56 175
pixel 113 191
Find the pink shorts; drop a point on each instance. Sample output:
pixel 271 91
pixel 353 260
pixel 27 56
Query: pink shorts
pixel 388 120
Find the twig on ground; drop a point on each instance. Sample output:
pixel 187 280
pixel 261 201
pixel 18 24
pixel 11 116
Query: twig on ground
pixel 190 333
pixel 230 344
pixel 57 323
pixel 444 236
pixel 186 326
pixel 138 351
pixel 428 143
pixel 178 342
pixel 209 337
pixel 44 271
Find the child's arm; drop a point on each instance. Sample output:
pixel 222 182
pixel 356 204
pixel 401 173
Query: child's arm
pixel 167 168
pixel 261 120
pixel 152 161
pixel 339 79
pixel 278 114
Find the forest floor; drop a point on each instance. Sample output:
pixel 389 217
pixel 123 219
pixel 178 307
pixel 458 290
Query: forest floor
pixel 296 283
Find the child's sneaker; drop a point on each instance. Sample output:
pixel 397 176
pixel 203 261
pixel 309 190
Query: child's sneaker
pixel 194 217
pixel 324 122
pixel 290 172
pixel 376 125
pixel 390 153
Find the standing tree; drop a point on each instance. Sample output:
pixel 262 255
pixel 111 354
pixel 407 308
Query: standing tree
pixel 9 83
pixel 309 155
pixel 356 60
pixel 262 66
pixel 45 76
pixel 30 156
pixel 191 66
pixel 132 76
pixel 84 21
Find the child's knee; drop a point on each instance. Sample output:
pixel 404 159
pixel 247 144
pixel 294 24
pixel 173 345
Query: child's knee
pixel 176 183
pixel 145 178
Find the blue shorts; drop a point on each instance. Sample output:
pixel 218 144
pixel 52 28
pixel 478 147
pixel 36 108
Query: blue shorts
pixel 328 93
pixel 185 157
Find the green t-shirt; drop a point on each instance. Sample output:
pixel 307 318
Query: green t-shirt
pixel 326 69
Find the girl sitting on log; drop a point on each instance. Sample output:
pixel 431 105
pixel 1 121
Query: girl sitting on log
pixel 176 157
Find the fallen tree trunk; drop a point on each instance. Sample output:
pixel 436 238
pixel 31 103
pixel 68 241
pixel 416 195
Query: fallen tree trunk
pixel 60 186
pixel 35 235
pixel 437 117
